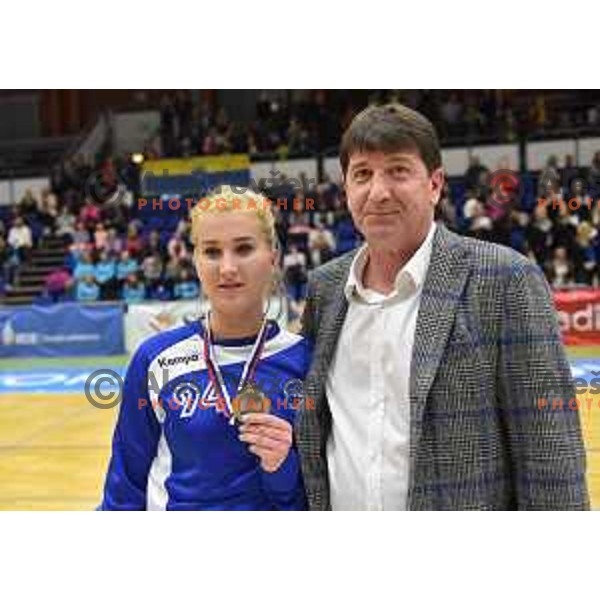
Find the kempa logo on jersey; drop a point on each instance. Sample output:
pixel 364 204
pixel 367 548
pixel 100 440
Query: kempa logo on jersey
pixel 178 360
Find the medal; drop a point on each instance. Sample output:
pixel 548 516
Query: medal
pixel 250 400
pixel 249 395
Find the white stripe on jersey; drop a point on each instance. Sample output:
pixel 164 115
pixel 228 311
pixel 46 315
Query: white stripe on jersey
pixel 157 496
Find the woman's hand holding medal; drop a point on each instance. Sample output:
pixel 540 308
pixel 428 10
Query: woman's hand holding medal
pixel 268 436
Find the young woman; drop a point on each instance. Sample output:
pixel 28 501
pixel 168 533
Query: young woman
pixel 182 441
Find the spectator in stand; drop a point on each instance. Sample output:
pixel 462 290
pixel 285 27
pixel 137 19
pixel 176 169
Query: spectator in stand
pixel 65 225
pixel 570 175
pixel 5 254
pixel 594 175
pixel 4 250
pixel 581 203
pixel 476 176
pixel 134 244
pixel 57 285
pixel 9 262
pixel 560 272
pixel 595 214
pixel 113 245
pixel 81 241
pixel 539 235
pixel 20 240
pixel 28 205
pixel 155 245
pixel 110 179
pixel 446 210
pixel 481 224
pixel 470 205
pixel 125 267
pixel 87 290
pixel 90 216
pixel 184 229
pixel 549 181
pixel 176 248
pixel 299 230
pixel 585 253
pixel 321 243
pixel 295 272
pixel 133 290
pixel 565 229
pixel 187 287
pixel 152 267
pixel 100 236
pixel 172 274
pixel 105 274
pixel 48 212
pixel 519 220
pixel 84 267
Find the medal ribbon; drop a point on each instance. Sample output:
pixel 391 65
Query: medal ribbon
pixel 214 372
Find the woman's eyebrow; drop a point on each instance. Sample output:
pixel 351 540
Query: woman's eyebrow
pixel 245 238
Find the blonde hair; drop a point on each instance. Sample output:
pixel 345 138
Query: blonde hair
pixel 226 200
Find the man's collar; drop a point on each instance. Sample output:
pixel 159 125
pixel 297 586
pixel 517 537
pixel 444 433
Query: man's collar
pixel 413 273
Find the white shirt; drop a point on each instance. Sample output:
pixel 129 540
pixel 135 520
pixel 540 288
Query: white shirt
pixel 368 389
pixel 20 237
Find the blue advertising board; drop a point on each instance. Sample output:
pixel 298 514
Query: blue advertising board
pixel 66 329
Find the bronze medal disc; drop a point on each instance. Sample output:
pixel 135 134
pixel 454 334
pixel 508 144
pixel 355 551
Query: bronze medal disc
pixel 250 400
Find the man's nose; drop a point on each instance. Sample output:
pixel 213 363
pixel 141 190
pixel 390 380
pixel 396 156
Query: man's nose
pixel 380 190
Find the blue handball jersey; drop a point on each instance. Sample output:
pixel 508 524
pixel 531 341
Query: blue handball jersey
pixel 174 447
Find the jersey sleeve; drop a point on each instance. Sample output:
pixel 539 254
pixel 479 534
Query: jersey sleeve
pixel 135 442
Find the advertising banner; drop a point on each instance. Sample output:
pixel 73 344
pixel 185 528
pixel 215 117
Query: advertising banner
pixel 67 329
pixel 579 316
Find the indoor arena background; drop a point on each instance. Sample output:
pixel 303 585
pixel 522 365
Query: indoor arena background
pixel 95 187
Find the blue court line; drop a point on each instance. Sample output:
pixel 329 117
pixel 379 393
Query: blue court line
pixel 72 380
pixel 51 381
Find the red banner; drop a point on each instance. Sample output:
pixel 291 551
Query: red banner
pixel 579 316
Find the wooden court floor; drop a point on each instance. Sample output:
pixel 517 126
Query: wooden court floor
pixel 54 451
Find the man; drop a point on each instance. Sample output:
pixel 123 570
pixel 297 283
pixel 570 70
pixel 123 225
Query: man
pixel 433 352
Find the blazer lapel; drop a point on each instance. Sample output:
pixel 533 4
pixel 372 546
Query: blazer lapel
pixel 330 328
pixel 444 283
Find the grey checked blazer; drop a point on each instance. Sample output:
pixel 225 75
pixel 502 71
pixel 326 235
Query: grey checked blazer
pixel 487 348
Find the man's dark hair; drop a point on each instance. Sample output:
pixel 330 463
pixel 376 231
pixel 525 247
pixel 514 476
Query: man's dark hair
pixel 391 128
